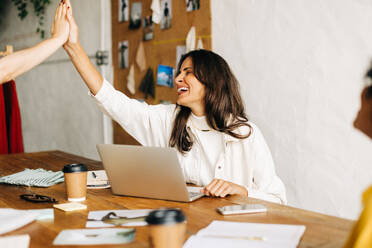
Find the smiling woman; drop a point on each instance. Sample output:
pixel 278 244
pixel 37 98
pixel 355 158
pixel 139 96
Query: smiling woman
pixel 218 147
pixel 211 124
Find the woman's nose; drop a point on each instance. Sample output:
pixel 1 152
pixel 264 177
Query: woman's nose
pixel 179 78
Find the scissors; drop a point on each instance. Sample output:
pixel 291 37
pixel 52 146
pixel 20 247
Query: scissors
pixel 113 219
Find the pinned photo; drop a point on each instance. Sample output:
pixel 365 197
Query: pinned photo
pixel 165 76
pixel 166 10
pixel 147 86
pixel 123 54
pixel 181 50
pixel 148 28
pixel 192 5
pixel 123 11
pixel 135 15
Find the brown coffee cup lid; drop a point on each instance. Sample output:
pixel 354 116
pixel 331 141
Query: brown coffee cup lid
pixel 70 168
pixel 165 216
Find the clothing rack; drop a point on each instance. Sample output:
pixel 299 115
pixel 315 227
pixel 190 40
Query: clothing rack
pixel 8 50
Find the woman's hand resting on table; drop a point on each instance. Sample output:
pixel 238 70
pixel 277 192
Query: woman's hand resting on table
pixel 222 188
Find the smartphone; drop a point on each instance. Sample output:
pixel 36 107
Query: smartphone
pixel 242 209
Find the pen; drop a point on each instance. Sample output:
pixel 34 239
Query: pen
pixel 94 174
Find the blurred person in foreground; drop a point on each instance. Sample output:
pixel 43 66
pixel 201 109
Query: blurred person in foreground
pixel 361 235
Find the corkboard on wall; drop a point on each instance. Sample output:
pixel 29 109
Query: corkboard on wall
pixel 160 50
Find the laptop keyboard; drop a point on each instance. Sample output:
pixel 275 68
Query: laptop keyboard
pixel 193 194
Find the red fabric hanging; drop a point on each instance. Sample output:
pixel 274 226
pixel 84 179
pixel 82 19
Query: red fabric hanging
pixel 3 134
pixel 12 118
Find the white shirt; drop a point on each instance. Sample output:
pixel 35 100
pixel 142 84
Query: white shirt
pixel 211 144
pixel 246 162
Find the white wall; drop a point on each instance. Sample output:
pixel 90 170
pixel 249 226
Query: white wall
pixel 56 111
pixel 301 64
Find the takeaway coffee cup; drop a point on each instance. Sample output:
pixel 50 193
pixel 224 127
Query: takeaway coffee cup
pixel 167 228
pixel 76 181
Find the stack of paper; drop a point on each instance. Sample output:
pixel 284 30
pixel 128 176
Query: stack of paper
pixel 15 241
pixel 43 214
pixel 11 219
pixel 253 235
pixel 38 177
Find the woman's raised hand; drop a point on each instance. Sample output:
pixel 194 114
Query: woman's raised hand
pixel 78 56
pixel 60 26
pixel 73 37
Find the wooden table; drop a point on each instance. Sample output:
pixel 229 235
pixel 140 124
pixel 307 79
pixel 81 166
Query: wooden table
pixel 321 230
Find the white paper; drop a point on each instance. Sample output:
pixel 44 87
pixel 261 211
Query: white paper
pixel 131 83
pixel 11 219
pixel 140 57
pixel 190 40
pixel 92 237
pixel 100 181
pixel 156 11
pixel 15 241
pixel 220 233
pixel 200 44
pixel 43 214
pixel 94 217
pixel 197 242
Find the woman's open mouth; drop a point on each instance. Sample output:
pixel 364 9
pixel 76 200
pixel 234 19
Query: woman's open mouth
pixel 182 90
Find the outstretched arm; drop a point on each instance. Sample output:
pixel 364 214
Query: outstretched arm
pixel 20 62
pixel 79 58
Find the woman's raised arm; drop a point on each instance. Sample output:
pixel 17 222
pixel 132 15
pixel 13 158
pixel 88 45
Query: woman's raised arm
pixel 79 58
pixel 20 62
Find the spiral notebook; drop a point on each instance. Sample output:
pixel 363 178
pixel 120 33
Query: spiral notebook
pixel 97 179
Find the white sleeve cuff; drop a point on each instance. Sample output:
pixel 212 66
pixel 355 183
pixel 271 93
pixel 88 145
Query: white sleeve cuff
pixel 265 196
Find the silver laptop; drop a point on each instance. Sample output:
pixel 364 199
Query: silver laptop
pixel 151 172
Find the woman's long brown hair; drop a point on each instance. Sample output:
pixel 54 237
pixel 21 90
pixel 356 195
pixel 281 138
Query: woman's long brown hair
pixel 224 107
pixel 369 87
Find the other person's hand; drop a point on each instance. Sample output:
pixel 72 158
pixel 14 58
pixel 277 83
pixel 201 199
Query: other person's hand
pixel 222 188
pixel 60 26
pixel 73 37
